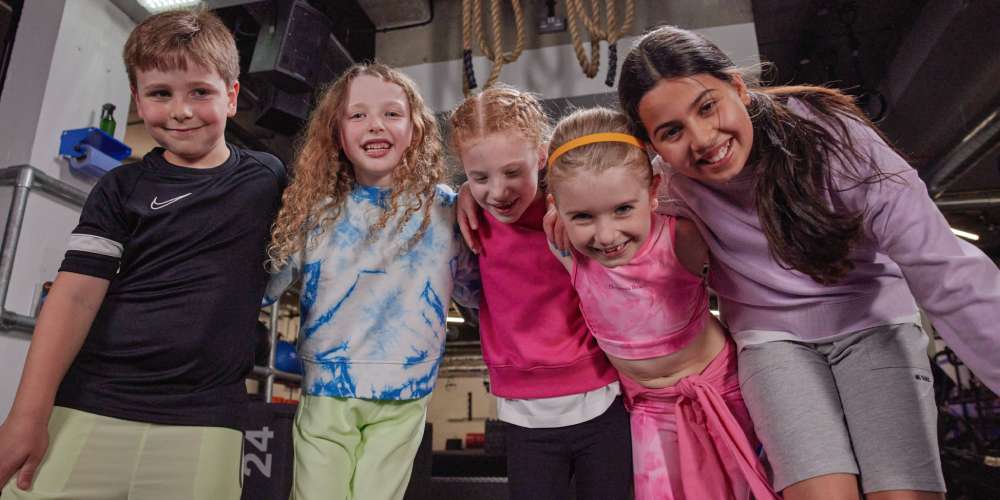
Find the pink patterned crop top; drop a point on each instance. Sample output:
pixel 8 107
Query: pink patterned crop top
pixel 649 307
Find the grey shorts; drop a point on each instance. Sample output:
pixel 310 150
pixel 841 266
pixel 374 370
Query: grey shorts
pixel 860 405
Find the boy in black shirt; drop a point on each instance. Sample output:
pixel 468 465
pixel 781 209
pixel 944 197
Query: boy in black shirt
pixel 151 318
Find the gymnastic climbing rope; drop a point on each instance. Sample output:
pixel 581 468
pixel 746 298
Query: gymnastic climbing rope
pixel 575 11
pixel 469 80
pixel 472 27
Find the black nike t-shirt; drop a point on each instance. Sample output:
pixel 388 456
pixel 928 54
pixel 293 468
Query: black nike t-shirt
pixel 184 250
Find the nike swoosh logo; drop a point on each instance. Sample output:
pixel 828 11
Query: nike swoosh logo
pixel 155 205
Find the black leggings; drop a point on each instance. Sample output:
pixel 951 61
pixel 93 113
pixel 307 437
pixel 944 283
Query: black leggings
pixel 596 455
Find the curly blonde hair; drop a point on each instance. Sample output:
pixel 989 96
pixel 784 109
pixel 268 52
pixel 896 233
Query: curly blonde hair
pixel 323 177
pixel 596 157
pixel 500 108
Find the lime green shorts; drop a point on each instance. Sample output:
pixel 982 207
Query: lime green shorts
pixel 92 457
pixel 349 449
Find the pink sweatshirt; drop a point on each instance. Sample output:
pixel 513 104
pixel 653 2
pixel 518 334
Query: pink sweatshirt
pixel 906 247
pixel 535 342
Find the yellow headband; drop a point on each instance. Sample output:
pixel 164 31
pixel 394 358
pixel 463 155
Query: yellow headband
pixel 591 139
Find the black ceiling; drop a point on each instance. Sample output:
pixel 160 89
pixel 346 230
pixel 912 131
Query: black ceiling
pixel 934 64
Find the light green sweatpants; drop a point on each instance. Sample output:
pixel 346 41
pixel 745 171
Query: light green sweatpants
pixel 93 457
pixel 348 449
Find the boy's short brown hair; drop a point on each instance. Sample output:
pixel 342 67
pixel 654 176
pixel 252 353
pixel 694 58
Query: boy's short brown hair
pixel 169 40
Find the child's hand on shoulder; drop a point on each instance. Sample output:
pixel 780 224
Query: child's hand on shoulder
pixel 23 441
pixel 555 235
pixel 468 217
pixel 555 231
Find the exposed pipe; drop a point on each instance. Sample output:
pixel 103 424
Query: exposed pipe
pixel 13 321
pixel 263 372
pixel 60 190
pixel 981 142
pixel 956 203
pixel 271 370
pixel 12 233
pixel 25 178
pixel 44 183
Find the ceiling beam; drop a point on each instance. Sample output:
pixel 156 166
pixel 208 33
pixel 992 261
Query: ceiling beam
pixel 982 141
pixel 959 203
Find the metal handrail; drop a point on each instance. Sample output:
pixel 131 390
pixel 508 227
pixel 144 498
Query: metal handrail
pixel 25 178
pixel 46 184
pixel 272 352
pixel 263 372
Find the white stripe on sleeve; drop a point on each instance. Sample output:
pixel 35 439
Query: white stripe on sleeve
pixel 95 244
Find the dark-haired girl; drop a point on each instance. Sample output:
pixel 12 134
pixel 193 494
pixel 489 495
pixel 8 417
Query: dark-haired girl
pixel 822 237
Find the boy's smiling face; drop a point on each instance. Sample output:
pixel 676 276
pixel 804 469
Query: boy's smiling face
pixel 185 111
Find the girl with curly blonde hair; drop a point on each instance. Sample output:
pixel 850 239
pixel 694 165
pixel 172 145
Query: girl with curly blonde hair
pixel 372 234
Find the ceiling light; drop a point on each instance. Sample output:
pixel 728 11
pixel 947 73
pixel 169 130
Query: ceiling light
pixel 455 320
pixel 964 234
pixel 154 6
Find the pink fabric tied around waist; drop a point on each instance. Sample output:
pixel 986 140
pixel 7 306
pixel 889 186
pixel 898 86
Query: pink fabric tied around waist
pixel 715 457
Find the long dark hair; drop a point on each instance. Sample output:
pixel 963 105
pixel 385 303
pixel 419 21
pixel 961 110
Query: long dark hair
pixel 793 153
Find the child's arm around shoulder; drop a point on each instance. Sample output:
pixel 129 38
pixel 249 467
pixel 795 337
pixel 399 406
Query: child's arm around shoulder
pixel 689 247
pixel 280 279
pixel 62 326
pixel 467 212
pixel 563 256
pixel 467 284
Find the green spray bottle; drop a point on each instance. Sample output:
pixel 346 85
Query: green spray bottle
pixel 107 120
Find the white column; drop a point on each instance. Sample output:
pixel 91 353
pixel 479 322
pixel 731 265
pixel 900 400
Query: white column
pixel 65 64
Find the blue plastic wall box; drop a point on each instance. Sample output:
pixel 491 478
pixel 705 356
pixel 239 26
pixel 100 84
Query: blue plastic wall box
pixel 92 151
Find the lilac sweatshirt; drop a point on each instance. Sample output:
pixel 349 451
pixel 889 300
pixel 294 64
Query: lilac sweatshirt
pixel 905 240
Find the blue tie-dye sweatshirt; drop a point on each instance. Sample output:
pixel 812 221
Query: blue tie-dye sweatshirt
pixel 374 306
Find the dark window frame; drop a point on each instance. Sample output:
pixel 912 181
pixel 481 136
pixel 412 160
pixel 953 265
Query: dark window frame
pixel 7 41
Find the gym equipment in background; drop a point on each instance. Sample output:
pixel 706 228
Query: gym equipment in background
pixel 968 430
pixel 286 358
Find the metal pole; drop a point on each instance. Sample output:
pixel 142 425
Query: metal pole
pixel 44 183
pixel 24 179
pixel 8 175
pixel 15 321
pixel 979 202
pixel 273 331
pixel 261 372
pixel 58 189
pixel 11 234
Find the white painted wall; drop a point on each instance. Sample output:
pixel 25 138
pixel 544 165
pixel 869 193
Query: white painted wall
pixel 553 71
pixel 65 64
